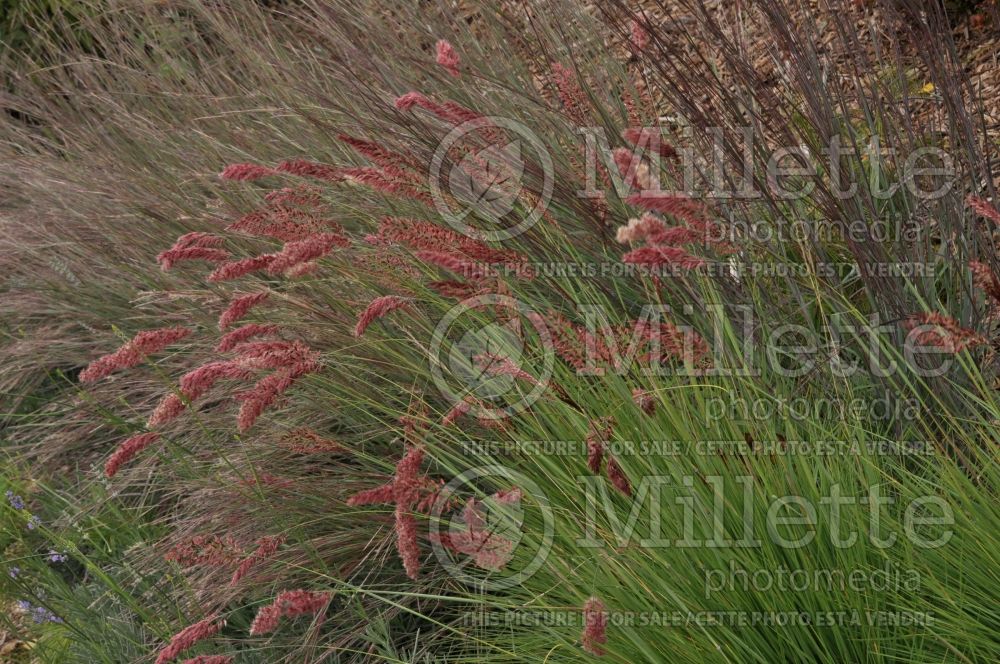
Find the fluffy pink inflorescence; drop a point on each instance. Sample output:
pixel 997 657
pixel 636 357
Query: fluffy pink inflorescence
pixel 640 38
pixel 378 308
pixel 266 547
pixel 597 437
pixel 241 267
pixel 127 451
pixel 595 626
pixel 408 490
pixel 493 364
pixel 210 659
pixel 194 384
pixel 656 256
pixel 934 329
pixel 239 307
pixel 189 636
pixel 168 258
pixel 241 334
pixel 195 245
pixel 311 169
pixel 267 390
pixel 246 172
pixel 450 112
pixel 984 209
pixel 644 400
pixel 302 251
pixel 133 352
pixel 447 57
pixel 289 604
pixel 487 549
pixel 574 101
pixel 617 476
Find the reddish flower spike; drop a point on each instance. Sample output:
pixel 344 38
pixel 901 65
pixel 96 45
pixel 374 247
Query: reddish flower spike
pixel 379 307
pixel 447 57
pixel 595 625
pixel 245 172
pixel 128 450
pixel 189 636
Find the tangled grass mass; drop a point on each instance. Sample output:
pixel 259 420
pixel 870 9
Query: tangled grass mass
pixel 528 331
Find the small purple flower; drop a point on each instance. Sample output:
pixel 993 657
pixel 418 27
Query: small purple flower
pixel 56 557
pixel 38 613
pixel 34 522
pixel 15 500
pixel 14 571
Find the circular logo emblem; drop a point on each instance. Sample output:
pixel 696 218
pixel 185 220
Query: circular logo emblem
pixel 492 541
pixel 483 358
pixel 481 193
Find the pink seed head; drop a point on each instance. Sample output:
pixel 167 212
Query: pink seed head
pixel 239 307
pixel 128 450
pixel 379 307
pixel 447 57
pixel 189 636
pixel 245 172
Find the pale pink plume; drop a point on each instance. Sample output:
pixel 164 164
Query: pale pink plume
pixel 574 101
pixel 194 384
pixel 656 256
pixel 169 408
pixel 493 364
pixel 640 38
pixel 595 626
pixel 133 352
pixel 267 390
pixel 379 307
pixel 386 159
pixel 239 307
pixel 597 438
pixel 241 334
pixel 408 490
pixel 241 267
pixel 288 604
pixel 644 400
pixel 302 251
pixel 193 246
pixel 189 636
pixel 487 549
pixel 406 541
pixel 306 441
pixel 447 57
pixel 168 258
pixel 388 183
pixel 617 476
pixel 450 112
pixel 984 209
pixel 312 169
pixel 128 450
pixel 984 279
pixel 459 409
pixel 934 329
pixel 273 354
pixel 266 547
pixel 245 172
